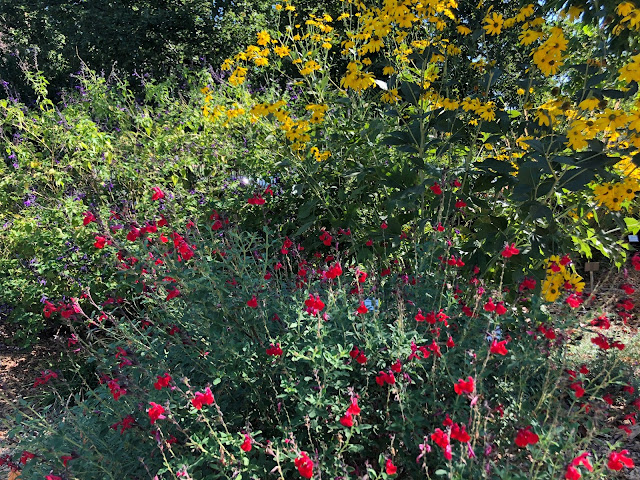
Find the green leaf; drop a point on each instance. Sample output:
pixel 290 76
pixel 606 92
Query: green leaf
pixel 633 225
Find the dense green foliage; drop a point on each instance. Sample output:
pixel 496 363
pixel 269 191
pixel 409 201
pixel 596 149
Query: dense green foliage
pixel 353 251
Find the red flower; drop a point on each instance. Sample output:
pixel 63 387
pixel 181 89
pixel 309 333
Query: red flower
pixel 362 309
pixel 500 308
pixel 304 465
pixel 274 351
pixel 100 241
pixel 246 445
pixel 253 303
pixel 582 460
pixel 577 388
pixel 572 473
pixel 460 433
pixel 384 377
pixel 256 200
pixel 527 284
pixel 116 390
pixel 440 438
pixel 526 437
pixel 628 289
pixel 460 203
pixel 26 456
pixel 201 399
pixel 435 188
pixel 619 460
pixel 156 412
pixel 354 409
pixel 65 459
pixel 510 251
pixel 419 317
pixel 125 424
pixel 157 194
pixel 347 420
pixel 173 294
pixel 163 381
pixel 389 467
pixel 53 477
pixel 88 218
pixel 334 271
pixel 601 341
pixel 464 387
pixel 396 367
pixel 489 306
pixel 450 342
pixel 499 348
pixel 574 301
pixel 314 304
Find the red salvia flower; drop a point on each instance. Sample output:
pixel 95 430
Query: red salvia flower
pixel 617 460
pixel 163 381
pixel 526 437
pixel 304 465
pixel 156 412
pixel 498 348
pixel 362 309
pixel 347 420
pixel 201 399
pixel 389 467
pixel 246 445
pixel 274 350
pixel 88 218
pixel 157 193
pixel 464 386
pixel 510 251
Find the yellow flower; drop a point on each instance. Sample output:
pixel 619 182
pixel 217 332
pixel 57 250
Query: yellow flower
pixel 493 24
pixel 625 8
pixel 551 288
pixel 527 37
pixel 631 71
pixel 520 91
pixel 388 70
pixel 509 22
pixel 449 104
pixel 390 96
pixel 487 111
pixel 574 12
pixel 544 117
pixel 589 103
pixel 263 38
pixel 610 120
pixel 227 64
pixel 282 51
pixel 261 61
pixel 278 7
pixel 374 45
pixel 575 136
pixel 524 13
